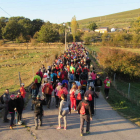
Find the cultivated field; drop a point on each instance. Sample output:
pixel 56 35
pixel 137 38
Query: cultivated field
pixel 27 60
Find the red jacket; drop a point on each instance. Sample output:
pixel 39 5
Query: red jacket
pixel 23 92
pixel 50 88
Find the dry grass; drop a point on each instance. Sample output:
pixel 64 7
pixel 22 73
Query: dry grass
pixel 26 61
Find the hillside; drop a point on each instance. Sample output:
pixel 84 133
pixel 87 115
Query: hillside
pixel 117 20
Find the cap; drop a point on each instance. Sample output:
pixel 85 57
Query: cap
pixel 12 96
pixel 22 84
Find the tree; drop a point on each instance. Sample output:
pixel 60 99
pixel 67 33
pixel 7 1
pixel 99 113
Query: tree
pixel 92 26
pixel 47 33
pixel 74 27
pixel 3 22
pixel 12 30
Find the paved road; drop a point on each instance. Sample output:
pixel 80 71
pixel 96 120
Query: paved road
pixel 107 124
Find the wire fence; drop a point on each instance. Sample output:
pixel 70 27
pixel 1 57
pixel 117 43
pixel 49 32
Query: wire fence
pixel 127 89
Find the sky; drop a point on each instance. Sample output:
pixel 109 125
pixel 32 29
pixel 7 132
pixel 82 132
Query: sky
pixel 59 11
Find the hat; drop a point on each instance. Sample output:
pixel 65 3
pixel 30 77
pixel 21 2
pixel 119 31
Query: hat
pixel 38 96
pixel 19 93
pixel 59 84
pixel 12 96
pixel 22 84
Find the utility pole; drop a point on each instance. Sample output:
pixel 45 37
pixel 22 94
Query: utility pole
pixel 65 40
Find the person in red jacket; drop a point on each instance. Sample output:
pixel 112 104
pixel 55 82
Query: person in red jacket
pixel 47 91
pixel 22 91
pixel 106 86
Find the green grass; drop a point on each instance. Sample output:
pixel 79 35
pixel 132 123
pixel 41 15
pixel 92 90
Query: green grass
pixel 117 20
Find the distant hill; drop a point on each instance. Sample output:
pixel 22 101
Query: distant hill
pixel 117 20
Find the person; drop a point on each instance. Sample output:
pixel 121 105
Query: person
pixel 57 91
pixel 84 86
pixel 12 108
pixel 37 80
pixel 38 111
pixel 43 69
pixel 85 115
pixel 72 97
pixel 93 76
pixel 47 91
pixel 89 93
pixel 65 81
pixel 98 84
pixel 22 91
pixel 71 79
pixel 107 86
pixel 34 93
pixel 6 98
pixel 20 106
pixel 78 94
pixel 63 112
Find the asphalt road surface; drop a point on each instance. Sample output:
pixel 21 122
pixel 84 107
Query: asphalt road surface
pixel 107 124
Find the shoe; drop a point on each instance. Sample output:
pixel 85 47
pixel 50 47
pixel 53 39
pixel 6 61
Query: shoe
pixel 88 132
pixel 36 127
pixel 19 122
pixel 81 135
pixel 65 128
pixel 58 128
pixel 11 127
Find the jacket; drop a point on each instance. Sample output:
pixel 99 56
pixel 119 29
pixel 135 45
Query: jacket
pixel 50 88
pixel 23 92
pixel 107 83
pixel 39 106
pixel 96 82
pixel 38 78
pixel 6 98
pixel 20 104
pixel 63 106
pixel 11 105
pixel 87 108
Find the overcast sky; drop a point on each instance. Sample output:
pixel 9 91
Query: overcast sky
pixel 58 11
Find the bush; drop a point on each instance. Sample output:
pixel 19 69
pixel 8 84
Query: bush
pixel 1 42
pixel 119 61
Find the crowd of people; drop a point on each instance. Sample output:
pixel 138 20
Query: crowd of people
pixel 73 82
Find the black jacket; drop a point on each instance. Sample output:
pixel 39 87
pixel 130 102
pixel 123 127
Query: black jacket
pixel 39 106
pixel 98 83
pixel 11 105
pixel 87 108
pixel 20 104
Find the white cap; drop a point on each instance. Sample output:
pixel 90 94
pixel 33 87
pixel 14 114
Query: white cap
pixel 22 84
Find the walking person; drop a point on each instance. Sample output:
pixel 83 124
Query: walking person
pixel 71 79
pixel 20 106
pixel 63 112
pixel 6 98
pixel 38 111
pixel 98 84
pixel 107 87
pixel 72 97
pixel 22 91
pixel 85 115
pixel 47 91
pixel 34 93
pixel 12 107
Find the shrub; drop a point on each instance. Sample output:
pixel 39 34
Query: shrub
pixel 119 61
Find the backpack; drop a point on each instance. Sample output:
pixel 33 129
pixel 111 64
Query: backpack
pixel 46 90
pixel 98 82
pixel 71 77
pixel 1 99
pixel 90 97
pixel 108 84
pixel 82 110
pixel 72 71
pixel 63 76
pixel 36 81
pixel 79 96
